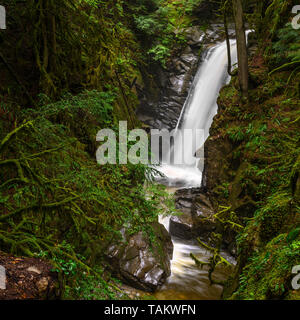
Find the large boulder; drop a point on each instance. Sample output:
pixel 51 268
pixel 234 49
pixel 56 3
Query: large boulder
pixel 197 218
pixel 182 226
pixel 140 263
pixel 203 216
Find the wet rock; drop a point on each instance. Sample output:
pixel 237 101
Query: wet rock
pixel 183 204
pixel 188 59
pixel 197 218
pixel 182 226
pixel 194 36
pixel 203 216
pixel 173 116
pixel 140 264
pixel 187 50
pixel 212 35
pixel 187 195
pixel 179 100
pixel 177 83
pixel 180 67
pixel 198 215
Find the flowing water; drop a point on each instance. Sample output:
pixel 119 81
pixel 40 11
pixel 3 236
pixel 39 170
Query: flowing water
pixel 197 113
pixel 186 280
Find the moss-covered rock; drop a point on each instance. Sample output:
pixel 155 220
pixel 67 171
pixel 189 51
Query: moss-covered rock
pixel 139 262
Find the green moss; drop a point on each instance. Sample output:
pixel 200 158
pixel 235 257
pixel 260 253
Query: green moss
pixel 268 274
pixel 273 215
pixel 264 134
pixel 54 197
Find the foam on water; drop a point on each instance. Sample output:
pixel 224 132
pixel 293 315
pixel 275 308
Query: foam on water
pixel 198 112
pixel 186 280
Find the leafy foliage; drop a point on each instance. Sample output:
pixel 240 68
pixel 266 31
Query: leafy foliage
pixel 268 273
pixel 287 48
pixel 162 27
pixel 54 198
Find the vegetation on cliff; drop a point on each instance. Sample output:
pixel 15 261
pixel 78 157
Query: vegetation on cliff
pixel 68 69
pixel 258 178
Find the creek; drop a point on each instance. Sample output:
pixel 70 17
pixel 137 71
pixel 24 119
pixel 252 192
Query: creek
pixel 187 282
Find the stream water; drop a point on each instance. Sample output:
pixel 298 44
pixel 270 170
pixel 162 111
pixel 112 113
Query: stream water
pixel 187 282
pixel 197 113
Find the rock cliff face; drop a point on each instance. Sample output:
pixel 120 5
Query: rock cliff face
pixel 162 99
pixel 164 91
pixel 140 263
pixel 197 220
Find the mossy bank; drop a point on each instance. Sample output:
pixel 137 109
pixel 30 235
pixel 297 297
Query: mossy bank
pixel 252 162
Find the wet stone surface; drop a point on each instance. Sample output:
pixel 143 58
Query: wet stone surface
pixel 162 100
pixel 139 263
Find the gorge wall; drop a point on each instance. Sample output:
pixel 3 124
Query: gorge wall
pixel 164 90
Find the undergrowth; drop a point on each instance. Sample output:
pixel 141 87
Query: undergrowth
pixel 262 185
pixel 55 199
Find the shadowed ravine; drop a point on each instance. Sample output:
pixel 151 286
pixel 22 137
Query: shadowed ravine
pixel 186 280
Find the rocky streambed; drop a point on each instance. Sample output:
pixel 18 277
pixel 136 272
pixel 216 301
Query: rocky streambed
pixel 188 281
pixel 168 270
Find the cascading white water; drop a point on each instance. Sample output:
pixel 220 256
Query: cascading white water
pixel 198 112
pixel 186 280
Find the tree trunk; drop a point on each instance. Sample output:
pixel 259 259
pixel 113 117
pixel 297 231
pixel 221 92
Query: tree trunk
pixel 227 43
pixel 241 46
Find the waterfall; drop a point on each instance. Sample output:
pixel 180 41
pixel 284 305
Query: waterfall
pixel 186 280
pixel 197 113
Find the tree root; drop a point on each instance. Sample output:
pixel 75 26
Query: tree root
pixel 213 263
pixel 14 132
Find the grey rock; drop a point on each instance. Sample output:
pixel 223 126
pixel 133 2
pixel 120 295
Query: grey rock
pixel 179 100
pixel 140 264
pixel 184 203
pixel 203 215
pixel 198 219
pixel 182 226
pixel 194 35
pixel 177 83
pixel 188 59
